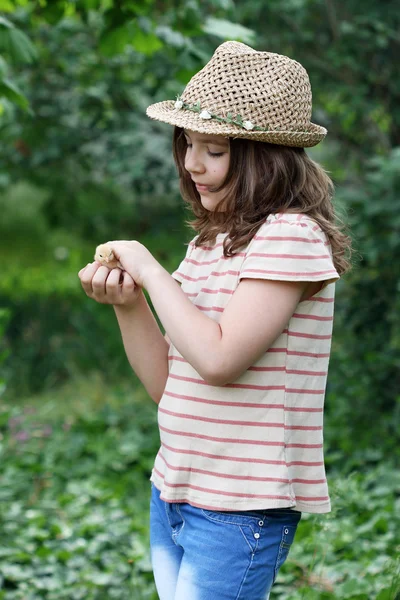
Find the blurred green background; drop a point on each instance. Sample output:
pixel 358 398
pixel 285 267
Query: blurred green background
pixel 80 163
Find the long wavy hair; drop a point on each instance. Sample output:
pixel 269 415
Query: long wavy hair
pixel 263 179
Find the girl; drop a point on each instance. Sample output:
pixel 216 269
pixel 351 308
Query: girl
pixel 240 376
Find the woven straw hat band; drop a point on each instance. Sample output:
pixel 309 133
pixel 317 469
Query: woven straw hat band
pixel 244 93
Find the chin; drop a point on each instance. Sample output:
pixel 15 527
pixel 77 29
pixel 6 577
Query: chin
pixel 208 205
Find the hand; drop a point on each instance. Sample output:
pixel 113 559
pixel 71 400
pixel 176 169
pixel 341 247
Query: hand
pixel 135 259
pixel 108 286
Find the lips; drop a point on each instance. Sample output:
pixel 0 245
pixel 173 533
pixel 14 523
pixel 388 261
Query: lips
pixel 201 187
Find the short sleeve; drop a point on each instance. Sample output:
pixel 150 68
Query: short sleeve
pixel 180 272
pixel 289 249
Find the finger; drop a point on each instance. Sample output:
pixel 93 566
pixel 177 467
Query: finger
pixel 99 282
pixel 128 286
pixel 84 269
pixel 86 275
pixel 113 287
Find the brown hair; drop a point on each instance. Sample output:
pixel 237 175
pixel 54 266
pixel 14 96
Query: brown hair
pixel 263 179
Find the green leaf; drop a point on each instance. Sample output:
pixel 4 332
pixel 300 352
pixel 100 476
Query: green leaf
pixel 9 90
pixel 228 30
pixel 15 43
pixel 6 6
pixel 116 40
pixel 3 67
pixel 6 23
pixel 170 37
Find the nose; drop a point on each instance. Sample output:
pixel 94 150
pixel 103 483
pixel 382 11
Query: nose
pixel 193 162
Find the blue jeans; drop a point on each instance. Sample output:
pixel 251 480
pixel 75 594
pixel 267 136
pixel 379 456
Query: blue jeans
pixel 200 554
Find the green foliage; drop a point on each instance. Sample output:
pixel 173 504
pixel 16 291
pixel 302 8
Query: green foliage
pixel 4 318
pixel 348 48
pixel 90 166
pixel 80 163
pixel 17 47
pixel 55 331
pixel 75 495
pixel 366 357
pixel 74 469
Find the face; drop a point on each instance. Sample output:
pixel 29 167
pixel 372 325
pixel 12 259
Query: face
pixel 207 161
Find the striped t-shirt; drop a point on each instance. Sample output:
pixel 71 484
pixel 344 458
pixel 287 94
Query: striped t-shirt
pixel 255 443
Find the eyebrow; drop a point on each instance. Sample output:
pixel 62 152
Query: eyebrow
pixel 216 142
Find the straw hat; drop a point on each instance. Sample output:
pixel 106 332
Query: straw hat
pixel 243 93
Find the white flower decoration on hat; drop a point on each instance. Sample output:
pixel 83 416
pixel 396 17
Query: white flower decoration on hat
pixel 205 114
pixel 248 125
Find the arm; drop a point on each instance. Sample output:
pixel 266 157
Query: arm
pixel 145 345
pixel 257 313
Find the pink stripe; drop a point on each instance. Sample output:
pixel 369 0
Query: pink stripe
pixel 203 262
pixel 313 317
pixel 315 299
pixel 267 369
pixel 215 260
pixel 310 354
pixel 205 277
pixel 220 492
pixel 231 440
pixel 314 373
pixel 286 222
pixel 229 422
pixel 220 290
pixel 296 256
pixel 223 475
pixel 207 308
pixel 222 403
pixel 312 336
pixel 303 463
pixel 312 499
pixel 299 391
pixel 197 505
pixel 302 409
pixel 298 353
pixel 309 481
pixel 243 386
pixel 209 248
pixel 242 404
pixel 286 238
pixel 229 458
pixel 304 427
pixel 228 385
pixel 305 446
pixel 289 273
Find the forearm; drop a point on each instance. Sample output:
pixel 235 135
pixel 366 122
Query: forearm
pixel 145 346
pixel 185 323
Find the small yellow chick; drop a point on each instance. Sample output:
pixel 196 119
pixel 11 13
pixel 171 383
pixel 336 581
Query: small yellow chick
pixel 105 256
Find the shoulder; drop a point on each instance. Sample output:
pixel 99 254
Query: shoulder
pixel 292 247
pixel 289 230
pixel 291 222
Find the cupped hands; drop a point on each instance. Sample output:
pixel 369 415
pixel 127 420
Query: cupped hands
pixel 119 286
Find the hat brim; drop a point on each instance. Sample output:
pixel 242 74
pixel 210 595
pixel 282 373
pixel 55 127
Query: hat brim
pixel 167 113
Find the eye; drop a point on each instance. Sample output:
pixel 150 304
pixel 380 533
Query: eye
pixel 101 256
pixel 215 154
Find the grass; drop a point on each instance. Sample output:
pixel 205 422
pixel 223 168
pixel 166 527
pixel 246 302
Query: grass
pixel 74 496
